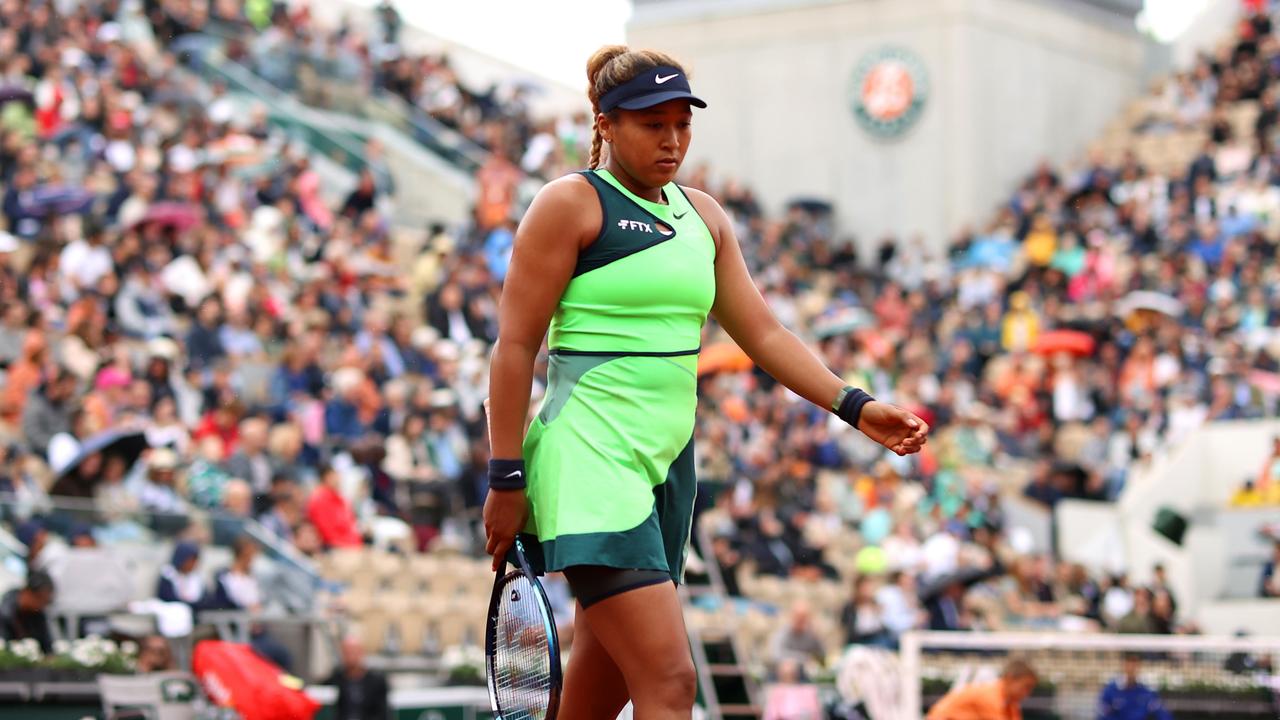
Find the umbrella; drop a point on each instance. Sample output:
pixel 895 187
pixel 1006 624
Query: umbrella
pixel 1149 301
pixel 1267 382
pixel 127 444
pixel 842 321
pixel 14 93
pixel 966 576
pixel 60 200
pixel 811 205
pixel 723 357
pixel 177 215
pixel 1068 341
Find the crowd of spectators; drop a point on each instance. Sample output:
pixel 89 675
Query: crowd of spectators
pixel 959 337
pixel 170 266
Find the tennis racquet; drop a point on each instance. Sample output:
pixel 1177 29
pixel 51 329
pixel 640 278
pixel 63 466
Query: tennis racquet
pixel 522 651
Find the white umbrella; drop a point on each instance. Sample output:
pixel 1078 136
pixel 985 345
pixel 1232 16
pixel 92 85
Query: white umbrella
pixel 1151 301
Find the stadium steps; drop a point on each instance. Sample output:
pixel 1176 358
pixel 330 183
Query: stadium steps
pixel 725 686
pixel 723 683
pixel 424 158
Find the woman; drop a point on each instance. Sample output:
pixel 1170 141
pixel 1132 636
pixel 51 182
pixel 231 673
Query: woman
pixel 862 617
pixel 331 514
pixel 624 265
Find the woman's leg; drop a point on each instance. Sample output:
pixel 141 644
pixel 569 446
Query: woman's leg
pixel 593 685
pixel 643 631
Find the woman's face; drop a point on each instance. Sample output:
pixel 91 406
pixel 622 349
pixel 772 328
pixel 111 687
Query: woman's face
pixel 650 144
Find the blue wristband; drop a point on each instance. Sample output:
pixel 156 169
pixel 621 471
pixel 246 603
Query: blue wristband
pixel 506 475
pixel 851 405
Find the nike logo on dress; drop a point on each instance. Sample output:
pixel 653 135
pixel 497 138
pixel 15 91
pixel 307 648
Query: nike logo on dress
pixel 659 79
pixel 680 215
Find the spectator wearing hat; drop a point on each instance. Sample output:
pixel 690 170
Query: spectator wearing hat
pixel 157 490
pixel 446 438
pixel 80 535
pixel 108 396
pixel 162 353
pixel 35 536
pixel 22 611
pixel 180 582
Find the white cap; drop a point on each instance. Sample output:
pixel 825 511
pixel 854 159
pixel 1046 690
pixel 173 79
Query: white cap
pixel 424 337
pixel 347 379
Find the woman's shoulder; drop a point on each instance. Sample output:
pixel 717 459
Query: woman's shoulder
pixel 573 187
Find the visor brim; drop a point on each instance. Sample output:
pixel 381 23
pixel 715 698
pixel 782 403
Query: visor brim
pixel 648 101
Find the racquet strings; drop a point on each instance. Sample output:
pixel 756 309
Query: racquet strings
pixel 521 669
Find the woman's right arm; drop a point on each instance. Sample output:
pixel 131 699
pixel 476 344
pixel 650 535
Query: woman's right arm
pixel 563 217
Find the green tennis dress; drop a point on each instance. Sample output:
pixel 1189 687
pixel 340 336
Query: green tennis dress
pixel 610 454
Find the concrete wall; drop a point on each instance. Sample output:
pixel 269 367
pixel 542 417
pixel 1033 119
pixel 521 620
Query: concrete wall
pixel 1220 555
pixel 1214 21
pixel 1011 81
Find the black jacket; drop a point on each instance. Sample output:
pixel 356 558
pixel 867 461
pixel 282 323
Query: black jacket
pixel 372 691
pixel 18 625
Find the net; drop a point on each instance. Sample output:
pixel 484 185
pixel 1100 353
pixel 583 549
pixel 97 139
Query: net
pixel 1190 676
pixel 520 655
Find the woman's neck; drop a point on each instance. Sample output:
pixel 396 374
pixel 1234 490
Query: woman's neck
pixel 652 194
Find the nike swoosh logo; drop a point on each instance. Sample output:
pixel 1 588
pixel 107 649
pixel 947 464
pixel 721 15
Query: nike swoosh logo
pixel 674 215
pixel 659 79
pixel 513 473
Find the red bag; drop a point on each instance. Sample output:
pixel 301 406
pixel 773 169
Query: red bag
pixel 234 676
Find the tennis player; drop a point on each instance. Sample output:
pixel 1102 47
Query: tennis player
pixel 623 265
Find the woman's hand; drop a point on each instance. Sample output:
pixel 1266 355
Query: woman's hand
pixel 505 512
pixel 897 429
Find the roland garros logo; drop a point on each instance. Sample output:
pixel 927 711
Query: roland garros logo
pixel 889 91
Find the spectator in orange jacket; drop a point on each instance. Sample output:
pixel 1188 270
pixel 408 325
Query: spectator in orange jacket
pixel 1000 700
pixel 331 514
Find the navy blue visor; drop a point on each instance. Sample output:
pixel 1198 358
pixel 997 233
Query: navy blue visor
pixel 649 88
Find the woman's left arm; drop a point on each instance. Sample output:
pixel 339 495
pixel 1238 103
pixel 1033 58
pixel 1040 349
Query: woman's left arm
pixel 742 311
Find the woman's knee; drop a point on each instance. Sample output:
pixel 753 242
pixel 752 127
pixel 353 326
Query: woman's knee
pixel 669 685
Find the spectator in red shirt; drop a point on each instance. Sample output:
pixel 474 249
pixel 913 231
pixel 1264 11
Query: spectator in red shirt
pixel 332 514
pixel 223 422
